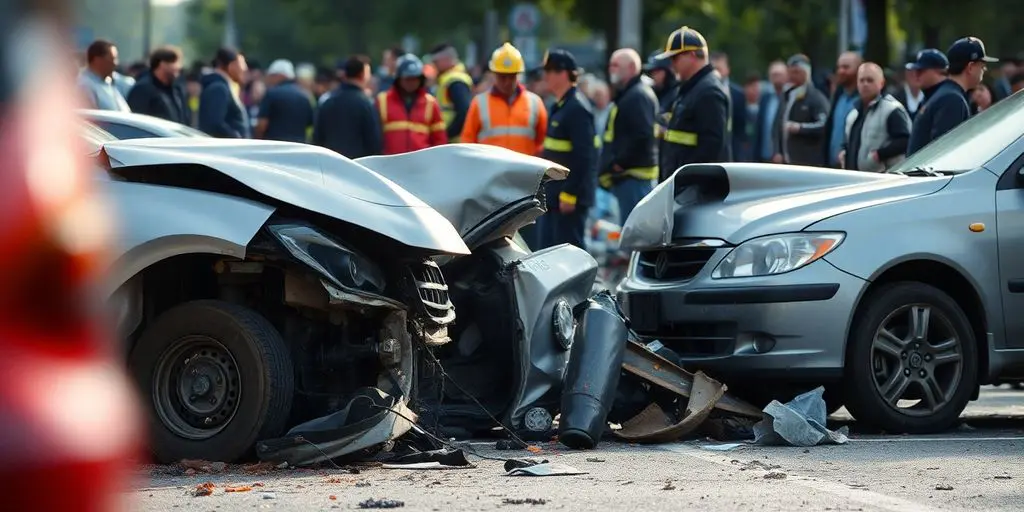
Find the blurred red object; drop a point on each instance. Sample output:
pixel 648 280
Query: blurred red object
pixel 69 429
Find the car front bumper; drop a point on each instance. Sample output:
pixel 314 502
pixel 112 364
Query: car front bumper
pixel 793 326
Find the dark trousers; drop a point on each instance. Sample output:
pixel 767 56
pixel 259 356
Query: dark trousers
pixel 556 228
pixel 531 235
pixel 628 193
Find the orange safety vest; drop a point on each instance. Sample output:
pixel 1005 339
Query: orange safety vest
pixel 520 125
pixel 410 129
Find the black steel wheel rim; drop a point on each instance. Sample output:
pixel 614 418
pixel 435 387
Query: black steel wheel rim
pixel 196 387
pixel 916 359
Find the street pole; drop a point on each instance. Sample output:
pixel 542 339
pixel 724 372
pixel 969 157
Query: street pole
pixel 230 35
pixel 630 14
pixel 844 25
pixel 147 27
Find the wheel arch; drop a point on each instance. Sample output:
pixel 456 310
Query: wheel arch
pixel 945 277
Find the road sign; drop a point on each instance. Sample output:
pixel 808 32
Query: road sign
pixel 524 19
pixel 527 45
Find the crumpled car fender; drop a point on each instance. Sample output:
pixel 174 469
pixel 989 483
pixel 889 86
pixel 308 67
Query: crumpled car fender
pixel 156 223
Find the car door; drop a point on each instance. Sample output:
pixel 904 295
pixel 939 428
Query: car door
pixel 1010 229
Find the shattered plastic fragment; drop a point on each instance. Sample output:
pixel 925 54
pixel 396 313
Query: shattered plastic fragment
pixel 654 425
pixel 204 489
pixel 524 501
pixel 372 503
pixel 238 488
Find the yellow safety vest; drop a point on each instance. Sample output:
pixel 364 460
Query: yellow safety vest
pixel 456 74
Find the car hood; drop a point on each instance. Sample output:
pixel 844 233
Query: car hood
pixel 737 202
pixel 301 175
pixel 470 183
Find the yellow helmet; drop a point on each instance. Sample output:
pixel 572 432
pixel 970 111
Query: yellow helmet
pixel 507 59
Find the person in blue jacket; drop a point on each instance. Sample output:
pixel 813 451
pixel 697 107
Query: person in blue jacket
pixel 221 113
pixel 570 142
pixel 946 103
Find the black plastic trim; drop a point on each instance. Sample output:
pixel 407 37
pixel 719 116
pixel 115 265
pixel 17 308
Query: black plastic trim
pixel 764 294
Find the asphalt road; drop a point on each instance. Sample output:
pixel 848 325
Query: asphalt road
pixel 976 467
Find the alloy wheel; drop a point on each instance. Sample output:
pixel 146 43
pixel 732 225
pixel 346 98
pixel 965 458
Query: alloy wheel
pixel 917 359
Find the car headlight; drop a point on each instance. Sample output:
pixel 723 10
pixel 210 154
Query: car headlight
pixel 564 324
pixel 337 263
pixel 776 254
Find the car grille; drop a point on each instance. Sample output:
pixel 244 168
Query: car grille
pixel 433 292
pixel 673 264
pixel 687 339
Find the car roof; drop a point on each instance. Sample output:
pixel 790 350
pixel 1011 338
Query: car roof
pixel 144 122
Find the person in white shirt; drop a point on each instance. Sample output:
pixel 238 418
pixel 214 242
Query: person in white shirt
pixel 96 79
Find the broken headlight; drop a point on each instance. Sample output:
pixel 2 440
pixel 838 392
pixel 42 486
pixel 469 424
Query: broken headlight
pixel 337 263
pixel 776 254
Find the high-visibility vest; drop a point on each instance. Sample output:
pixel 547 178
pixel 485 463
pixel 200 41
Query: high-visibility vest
pixel 456 74
pixel 517 130
pixel 409 130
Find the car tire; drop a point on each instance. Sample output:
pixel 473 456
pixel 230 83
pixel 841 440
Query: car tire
pixel 234 366
pixel 864 387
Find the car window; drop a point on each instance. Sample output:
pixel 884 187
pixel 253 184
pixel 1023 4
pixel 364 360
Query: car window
pixel 973 143
pixel 123 131
pixel 186 131
pixel 95 137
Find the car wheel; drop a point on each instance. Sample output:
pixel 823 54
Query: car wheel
pixel 912 361
pixel 216 377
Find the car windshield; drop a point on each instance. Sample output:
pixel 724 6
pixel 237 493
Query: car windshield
pixel 973 143
pixel 95 137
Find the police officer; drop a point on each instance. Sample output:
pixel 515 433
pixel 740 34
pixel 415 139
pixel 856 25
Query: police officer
pixel 570 141
pixel 697 130
pixel 946 103
pixel 629 157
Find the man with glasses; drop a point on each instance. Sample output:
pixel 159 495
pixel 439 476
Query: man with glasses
pixel 946 103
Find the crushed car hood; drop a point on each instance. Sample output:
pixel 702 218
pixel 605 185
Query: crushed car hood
pixel 737 202
pixel 301 175
pixel 468 183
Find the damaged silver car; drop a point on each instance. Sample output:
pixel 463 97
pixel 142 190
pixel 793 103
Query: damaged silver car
pixel 261 286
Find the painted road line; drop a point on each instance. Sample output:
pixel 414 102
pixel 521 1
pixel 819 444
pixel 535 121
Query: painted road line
pixel 843 491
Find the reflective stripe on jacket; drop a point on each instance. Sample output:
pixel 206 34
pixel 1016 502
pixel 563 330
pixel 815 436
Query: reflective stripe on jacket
pixel 630 148
pixel 520 125
pixel 571 141
pixel 697 130
pixel 456 74
pixel 409 129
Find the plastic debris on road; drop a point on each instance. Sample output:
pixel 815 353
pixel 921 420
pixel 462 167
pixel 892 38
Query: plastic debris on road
pixel 546 469
pixel 800 422
pixel 721 447
pixel 654 425
pixel 372 503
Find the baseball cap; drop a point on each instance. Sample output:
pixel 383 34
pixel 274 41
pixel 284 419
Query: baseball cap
pixel 282 67
pixel 799 60
pixel 683 39
pixel 929 58
pixel 560 60
pixel 967 50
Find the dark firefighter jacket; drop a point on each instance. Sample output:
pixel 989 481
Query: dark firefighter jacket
pixel 571 142
pixel 630 149
pixel 945 106
pixel 697 130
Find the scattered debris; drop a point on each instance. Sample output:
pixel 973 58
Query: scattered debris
pixel 238 488
pixel 259 468
pixel 943 487
pixel 655 425
pixel 509 444
pixel 627 482
pixel 775 475
pixel 668 486
pixel 721 447
pixel 533 449
pixel 363 484
pixel 372 503
pixel 800 422
pixel 757 465
pixel 595 459
pixel 203 466
pixel 204 489
pixel 332 498
pixel 545 469
pixel 336 481
pixel 1003 477
pixel 269 496
pixel 435 459
pixel 524 501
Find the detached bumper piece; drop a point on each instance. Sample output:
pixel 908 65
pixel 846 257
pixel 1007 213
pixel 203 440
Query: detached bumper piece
pixel 371 418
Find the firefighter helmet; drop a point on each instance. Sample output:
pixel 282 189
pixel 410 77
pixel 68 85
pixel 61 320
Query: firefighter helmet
pixel 507 59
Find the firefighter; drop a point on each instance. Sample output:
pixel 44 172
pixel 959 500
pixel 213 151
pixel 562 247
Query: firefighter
pixel 697 130
pixel 410 117
pixel 629 157
pixel 570 141
pixel 507 115
pixel 454 89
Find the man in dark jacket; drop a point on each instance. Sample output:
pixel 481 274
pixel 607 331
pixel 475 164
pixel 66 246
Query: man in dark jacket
pixel 798 132
pixel 347 122
pixel 737 103
pixel 157 93
pixel 666 85
pixel 286 110
pixel 221 113
pixel 946 104
pixel 569 142
pixel 629 157
pixel 697 131
pixel 843 100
